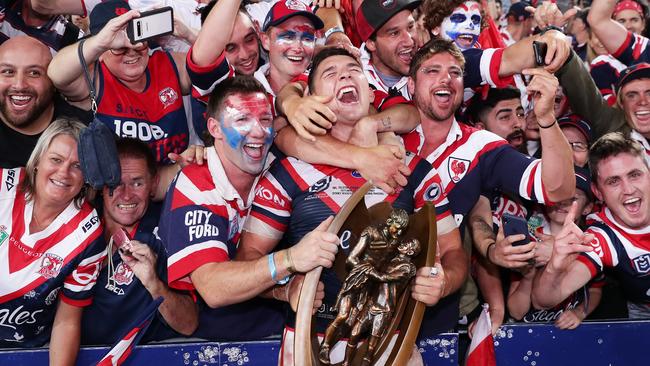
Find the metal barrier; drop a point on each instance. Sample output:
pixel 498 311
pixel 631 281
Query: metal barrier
pixel 593 343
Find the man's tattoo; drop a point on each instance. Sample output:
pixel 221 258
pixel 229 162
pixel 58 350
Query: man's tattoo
pixel 386 124
pixel 481 226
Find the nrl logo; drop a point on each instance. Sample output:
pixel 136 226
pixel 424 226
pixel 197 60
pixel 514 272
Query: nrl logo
pixel 50 265
pixel 3 234
pixel 642 263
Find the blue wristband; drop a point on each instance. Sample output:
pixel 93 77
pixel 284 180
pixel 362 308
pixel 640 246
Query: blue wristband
pixel 272 269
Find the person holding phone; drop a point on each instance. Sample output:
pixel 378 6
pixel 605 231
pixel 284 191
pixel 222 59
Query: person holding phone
pixel 572 311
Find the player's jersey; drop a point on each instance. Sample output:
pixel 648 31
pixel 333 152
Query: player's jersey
pixel 294 197
pixel 400 88
pixel 473 161
pixel 61 261
pixel 627 251
pixel 201 223
pixel 122 296
pixel 56 33
pixel 605 70
pixel 155 116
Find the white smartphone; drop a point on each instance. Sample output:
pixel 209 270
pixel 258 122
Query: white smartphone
pixel 151 24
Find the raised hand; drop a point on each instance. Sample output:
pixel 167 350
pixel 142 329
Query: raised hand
pixel 317 248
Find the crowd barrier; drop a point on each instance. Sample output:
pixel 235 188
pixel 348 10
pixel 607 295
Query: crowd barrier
pixel 593 343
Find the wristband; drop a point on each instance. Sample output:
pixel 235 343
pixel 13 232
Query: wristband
pixel 548 126
pixel 333 30
pixel 272 269
pixel 551 27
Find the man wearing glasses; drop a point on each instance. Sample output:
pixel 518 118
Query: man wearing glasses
pixel 139 90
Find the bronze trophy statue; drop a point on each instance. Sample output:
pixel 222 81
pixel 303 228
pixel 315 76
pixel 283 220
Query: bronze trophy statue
pixel 374 301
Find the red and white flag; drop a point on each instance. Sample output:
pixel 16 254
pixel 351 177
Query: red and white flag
pixel 481 350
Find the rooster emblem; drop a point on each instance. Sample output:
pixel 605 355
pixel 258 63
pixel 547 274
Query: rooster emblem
pixel 457 168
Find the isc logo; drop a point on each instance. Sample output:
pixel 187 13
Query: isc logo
pixel 90 223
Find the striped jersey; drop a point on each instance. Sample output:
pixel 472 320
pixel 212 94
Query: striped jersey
pixel 62 261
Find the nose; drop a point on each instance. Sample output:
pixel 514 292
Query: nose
pixel 627 186
pixel 408 38
pixel 20 82
pixel 257 130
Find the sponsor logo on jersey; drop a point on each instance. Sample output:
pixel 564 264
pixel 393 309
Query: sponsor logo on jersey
pixel 12 318
pixel 457 168
pixel 3 234
pixel 296 5
pixel 595 243
pixel 30 295
pixel 123 274
pixel 321 185
pixel 642 263
pixel 50 265
pixel 167 96
pixel 233 227
pixel 198 227
pixel 10 183
pixel 51 297
pixel 433 192
pixel 267 195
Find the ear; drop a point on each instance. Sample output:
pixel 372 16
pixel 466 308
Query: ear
pixel 480 125
pixel 596 192
pixel 370 45
pixel 265 40
pixel 411 87
pixel 372 95
pixel 436 31
pixel 154 185
pixel 587 209
pixel 214 127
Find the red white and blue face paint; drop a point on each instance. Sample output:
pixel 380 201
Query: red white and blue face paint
pixel 247 125
pixel 292 46
pixel 463 26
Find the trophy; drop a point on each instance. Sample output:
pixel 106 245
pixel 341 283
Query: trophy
pixel 381 250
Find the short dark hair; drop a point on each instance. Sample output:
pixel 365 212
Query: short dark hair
pixel 136 149
pixel 478 106
pixel 434 47
pixel 322 56
pixel 612 144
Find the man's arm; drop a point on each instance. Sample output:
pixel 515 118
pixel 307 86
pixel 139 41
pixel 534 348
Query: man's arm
pixel 611 33
pixel 586 101
pixel 519 294
pixel 56 7
pixel 558 176
pixel 215 32
pixel 520 56
pixel 66 333
pixel 66 71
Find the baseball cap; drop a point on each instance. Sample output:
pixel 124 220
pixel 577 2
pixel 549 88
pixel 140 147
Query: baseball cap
pixel 518 10
pixel 583 180
pixel 285 9
pixel 575 121
pixel 374 13
pixel 634 72
pixel 105 11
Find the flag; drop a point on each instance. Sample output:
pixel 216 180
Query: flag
pixel 122 349
pixel 481 350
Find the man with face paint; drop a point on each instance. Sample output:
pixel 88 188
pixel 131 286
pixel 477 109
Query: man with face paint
pixel 296 196
pixel 205 209
pixel 463 26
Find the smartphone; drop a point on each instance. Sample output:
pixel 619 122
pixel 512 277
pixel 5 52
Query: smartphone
pixel 122 239
pixel 513 225
pixel 539 50
pixel 151 24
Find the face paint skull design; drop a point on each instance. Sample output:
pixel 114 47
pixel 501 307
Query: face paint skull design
pixel 463 26
pixel 247 125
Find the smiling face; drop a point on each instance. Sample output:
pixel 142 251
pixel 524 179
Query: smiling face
pixel 25 90
pixel 623 183
pixel 463 26
pixel 243 50
pixel 636 104
pixel 127 64
pixel 394 45
pixel 130 199
pixel 343 77
pixel 245 130
pixel 557 213
pixel 438 87
pixel 290 45
pixel 58 173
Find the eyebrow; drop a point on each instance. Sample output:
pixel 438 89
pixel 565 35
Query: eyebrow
pixel 328 69
pixel 504 110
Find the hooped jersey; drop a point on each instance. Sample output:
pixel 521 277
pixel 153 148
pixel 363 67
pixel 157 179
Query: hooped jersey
pixel 294 197
pixel 472 161
pixel 201 223
pixel 155 116
pixel 62 261
pixel 123 296
pixel 605 70
pixel 626 251
pixel 633 50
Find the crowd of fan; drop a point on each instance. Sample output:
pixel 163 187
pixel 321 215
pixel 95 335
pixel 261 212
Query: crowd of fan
pixel 241 134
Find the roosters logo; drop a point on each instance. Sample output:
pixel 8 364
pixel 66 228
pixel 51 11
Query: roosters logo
pixel 120 11
pixel 167 96
pixel 296 5
pixel 123 274
pixel 457 168
pixel 50 265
